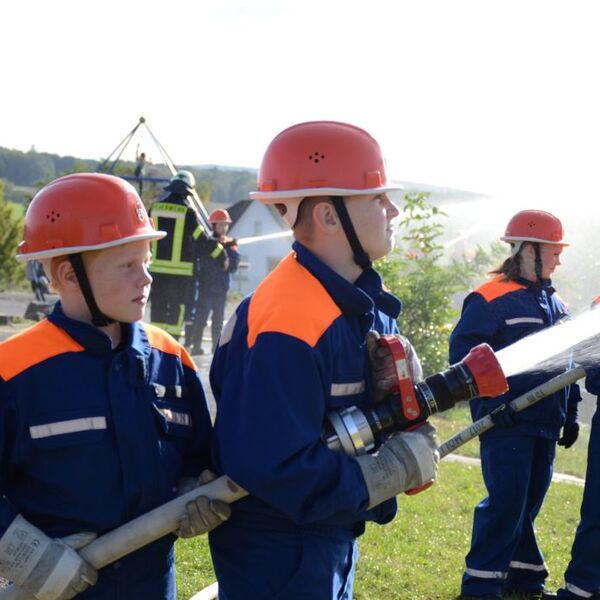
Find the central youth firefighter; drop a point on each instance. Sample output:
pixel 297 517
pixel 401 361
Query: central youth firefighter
pixel 517 455
pixel 101 417
pixel 294 350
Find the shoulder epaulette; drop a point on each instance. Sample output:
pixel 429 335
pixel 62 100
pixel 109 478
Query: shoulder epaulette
pixel 161 340
pixel 498 286
pixel 33 346
pixel 292 301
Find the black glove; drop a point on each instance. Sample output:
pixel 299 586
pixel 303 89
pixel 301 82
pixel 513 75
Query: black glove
pixel 570 432
pixel 504 416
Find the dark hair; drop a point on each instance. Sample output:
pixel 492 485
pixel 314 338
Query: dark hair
pixel 510 268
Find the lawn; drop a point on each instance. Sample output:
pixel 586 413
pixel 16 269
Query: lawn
pixel 420 555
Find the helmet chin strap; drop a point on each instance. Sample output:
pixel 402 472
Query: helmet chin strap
pixel 361 258
pixel 538 262
pixel 98 318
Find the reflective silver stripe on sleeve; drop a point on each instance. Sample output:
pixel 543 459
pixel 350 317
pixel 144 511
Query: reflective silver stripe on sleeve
pixel 486 574
pixel 227 332
pixel 518 320
pixel 515 564
pixel 174 416
pixel 347 389
pixel 172 390
pixel 71 426
pixel 578 591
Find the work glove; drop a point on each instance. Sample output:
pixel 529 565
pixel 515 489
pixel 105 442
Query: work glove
pixel 47 568
pixel 383 370
pixel 504 416
pixel 570 432
pixel 406 461
pixel 201 514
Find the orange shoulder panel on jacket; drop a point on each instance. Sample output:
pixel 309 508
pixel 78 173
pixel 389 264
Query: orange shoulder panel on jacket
pixel 162 341
pixel 498 286
pixel 292 301
pixel 36 344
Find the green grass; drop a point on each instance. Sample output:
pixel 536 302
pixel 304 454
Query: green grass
pixel 572 461
pixel 420 555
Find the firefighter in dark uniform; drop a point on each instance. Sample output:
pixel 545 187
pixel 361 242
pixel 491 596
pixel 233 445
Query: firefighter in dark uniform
pixel 216 259
pixel 172 263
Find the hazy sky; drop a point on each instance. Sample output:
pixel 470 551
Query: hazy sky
pixel 492 96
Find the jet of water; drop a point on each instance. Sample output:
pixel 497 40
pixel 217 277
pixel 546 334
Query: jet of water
pixel 576 340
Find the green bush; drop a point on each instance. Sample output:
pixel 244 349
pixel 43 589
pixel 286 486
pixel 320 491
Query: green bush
pixel 12 273
pixel 419 273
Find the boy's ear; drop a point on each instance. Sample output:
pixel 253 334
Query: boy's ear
pixel 65 274
pixel 324 216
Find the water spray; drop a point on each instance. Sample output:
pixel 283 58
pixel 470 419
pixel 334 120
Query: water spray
pixel 261 238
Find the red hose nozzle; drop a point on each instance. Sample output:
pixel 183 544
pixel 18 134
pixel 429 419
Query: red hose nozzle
pixel 486 370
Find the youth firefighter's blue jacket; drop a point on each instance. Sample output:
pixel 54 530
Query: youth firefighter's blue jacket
pixel 582 576
pixel 91 437
pixel 500 313
pixel 292 352
pixel 516 461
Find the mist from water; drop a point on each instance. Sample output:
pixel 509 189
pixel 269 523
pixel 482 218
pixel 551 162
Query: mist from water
pixel 473 222
pixel 574 341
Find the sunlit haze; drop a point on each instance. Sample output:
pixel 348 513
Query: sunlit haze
pixel 497 97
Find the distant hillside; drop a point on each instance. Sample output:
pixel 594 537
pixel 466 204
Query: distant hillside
pixel 25 172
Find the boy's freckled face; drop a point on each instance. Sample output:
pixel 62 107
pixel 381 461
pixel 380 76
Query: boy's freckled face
pixel 120 280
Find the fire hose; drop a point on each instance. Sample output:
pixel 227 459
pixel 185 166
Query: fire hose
pixel 164 519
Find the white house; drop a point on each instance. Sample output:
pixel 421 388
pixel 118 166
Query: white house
pixel 258 258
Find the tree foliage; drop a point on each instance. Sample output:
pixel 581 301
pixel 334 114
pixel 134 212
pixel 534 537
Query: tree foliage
pixel 419 273
pixel 12 273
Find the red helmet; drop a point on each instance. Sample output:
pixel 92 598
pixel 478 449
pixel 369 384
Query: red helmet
pixel 320 158
pixel 219 215
pixel 534 226
pixel 84 211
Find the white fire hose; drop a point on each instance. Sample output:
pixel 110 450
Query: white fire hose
pixel 164 519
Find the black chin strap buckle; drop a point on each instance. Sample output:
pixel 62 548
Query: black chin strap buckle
pixel 98 318
pixel 361 258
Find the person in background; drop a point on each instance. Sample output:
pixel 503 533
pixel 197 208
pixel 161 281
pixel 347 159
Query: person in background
pixel 102 417
pixel 37 277
pixel 293 351
pixel 216 259
pixel 140 170
pixel 517 455
pixel 173 256
pixel 582 577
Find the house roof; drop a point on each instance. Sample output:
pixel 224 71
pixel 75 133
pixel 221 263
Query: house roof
pixel 239 208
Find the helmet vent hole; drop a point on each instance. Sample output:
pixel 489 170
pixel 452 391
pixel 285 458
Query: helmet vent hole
pixel 316 157
pixel 52 216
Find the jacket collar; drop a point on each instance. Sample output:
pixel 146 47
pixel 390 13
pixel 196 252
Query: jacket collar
pixel 358 298
pixel 94 339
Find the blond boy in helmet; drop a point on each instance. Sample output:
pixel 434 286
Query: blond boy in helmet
pixel 101 416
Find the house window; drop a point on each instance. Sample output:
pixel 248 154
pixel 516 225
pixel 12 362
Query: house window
pixel 258 228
